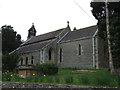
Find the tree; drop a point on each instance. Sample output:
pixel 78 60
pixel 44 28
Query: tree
pixel 114 22
pixel 115 39
pixel 10 39
pixel 9 62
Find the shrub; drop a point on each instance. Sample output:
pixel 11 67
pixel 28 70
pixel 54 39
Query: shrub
pixel 6 77
pixel 15 78
pixel 9 62
pixel 47 68
pixel 68 79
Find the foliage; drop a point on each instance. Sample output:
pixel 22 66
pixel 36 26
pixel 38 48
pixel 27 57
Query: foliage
pixel 6 77
pixel 68 79
pixel 83 79
pixel 9 76
pixel 40 78
pixel 114 22
pixel 102 80
pixel 47 68
pixel 49 79
pixel 118 81
pixel 105 79
pixel 9 62
pixel 115 40
pixel 37 79
pixel 28 79
pixel 15 78
pixel 98 78
pixel 10 39
pixel 57 79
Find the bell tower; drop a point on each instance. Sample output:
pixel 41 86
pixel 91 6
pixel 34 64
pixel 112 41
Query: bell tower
pixel 31 31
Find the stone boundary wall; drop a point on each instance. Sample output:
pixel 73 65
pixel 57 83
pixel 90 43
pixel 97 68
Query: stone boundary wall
pixel 37 86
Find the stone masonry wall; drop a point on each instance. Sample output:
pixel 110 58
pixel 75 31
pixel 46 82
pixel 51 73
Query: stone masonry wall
pixel 70 56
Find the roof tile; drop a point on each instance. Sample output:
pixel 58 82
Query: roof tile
pixel 80 33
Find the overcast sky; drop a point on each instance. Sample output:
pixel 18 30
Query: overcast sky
pixel 47 15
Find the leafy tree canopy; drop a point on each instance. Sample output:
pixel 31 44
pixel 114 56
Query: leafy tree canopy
pixel 99 12
pixel 10 39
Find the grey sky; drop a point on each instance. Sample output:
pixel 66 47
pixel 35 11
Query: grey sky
pixel 47 15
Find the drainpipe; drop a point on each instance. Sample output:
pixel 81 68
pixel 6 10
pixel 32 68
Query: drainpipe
pixel 94 53
pixel 93 40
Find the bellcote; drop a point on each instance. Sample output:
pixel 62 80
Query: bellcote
pixel 31 31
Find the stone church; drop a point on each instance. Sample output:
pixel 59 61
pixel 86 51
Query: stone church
pixel 79 48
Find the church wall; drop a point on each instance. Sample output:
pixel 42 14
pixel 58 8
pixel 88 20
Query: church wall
pixel 71 57
pixel 54 47
pixel 35 55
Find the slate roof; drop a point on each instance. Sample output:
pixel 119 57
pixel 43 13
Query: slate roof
pixel 38 42
pixel 43 37
pixel 80 33
pixel 33 47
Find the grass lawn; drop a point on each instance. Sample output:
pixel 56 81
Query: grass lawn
pixel 65 76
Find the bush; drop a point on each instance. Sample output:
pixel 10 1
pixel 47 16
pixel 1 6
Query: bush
pixel 6 77
pixel 15 78
pixel 68 79
pixel 10 76
pixel 9 62
pixel 47 68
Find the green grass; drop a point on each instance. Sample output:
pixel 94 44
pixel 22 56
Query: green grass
pixel 65 76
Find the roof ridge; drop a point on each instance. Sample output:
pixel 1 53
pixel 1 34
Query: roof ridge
pixel 86 28
pixel 50 32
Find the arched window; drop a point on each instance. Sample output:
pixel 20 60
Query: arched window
pixel 26 60
pixel 50 54
pixel 60 54
pixel 79 50
pixel 21 61
pixel 32 60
